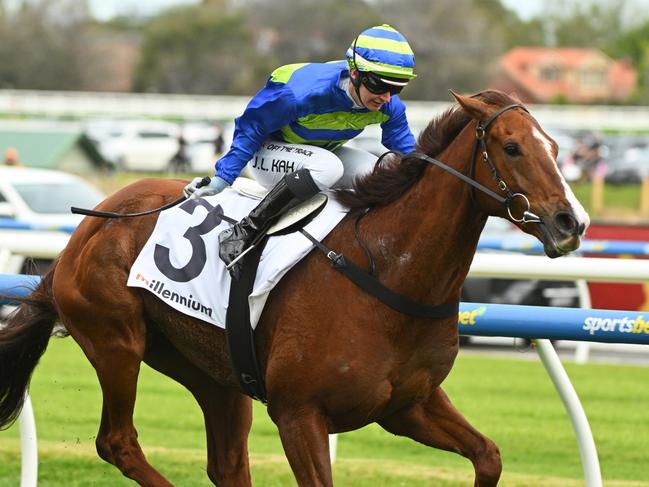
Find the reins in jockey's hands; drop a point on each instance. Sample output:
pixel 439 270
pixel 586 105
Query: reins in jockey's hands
pixel 200 187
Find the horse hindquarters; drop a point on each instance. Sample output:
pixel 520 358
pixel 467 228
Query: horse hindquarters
pixel 22 342
pixel 437 423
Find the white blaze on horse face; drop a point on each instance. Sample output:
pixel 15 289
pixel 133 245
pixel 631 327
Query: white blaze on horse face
pixel 580 213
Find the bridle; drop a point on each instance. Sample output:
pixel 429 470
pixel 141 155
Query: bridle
pixel 481 145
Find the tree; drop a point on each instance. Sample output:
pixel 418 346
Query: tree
pixel 198 49
pixel 41 44
pixel 588 24
pixel 455 44
pixel 309 30
pixel 514 31
pixel 634 45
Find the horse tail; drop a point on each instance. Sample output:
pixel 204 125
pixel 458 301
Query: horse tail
pixel 22 342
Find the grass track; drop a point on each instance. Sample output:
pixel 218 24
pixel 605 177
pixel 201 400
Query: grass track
pixel 512 401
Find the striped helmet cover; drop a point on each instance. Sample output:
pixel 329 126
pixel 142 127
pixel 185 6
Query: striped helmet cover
pixel 384 51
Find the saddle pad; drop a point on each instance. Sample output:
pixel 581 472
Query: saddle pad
pixel 180 262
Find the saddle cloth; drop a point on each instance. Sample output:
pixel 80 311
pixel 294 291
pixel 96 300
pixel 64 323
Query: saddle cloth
pixel 180 262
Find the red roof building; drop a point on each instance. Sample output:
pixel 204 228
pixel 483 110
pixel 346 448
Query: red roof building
pixel 546 75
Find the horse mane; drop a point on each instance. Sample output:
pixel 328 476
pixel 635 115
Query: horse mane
pixel 393 175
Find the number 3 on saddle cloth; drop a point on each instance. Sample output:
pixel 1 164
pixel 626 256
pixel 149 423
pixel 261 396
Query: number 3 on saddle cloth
pixel 180 262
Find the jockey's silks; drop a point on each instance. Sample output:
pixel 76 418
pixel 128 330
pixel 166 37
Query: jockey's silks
pixel 305 104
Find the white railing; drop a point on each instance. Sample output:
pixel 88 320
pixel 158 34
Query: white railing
pixel 87 104
pixel 10 263
pixel 36 244
pixel 513 266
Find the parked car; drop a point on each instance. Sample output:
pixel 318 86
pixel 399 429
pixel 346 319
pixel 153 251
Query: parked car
pixel 201 138
pixel 135 145
pixel 42 198
pixel 630 165
pixel 531 292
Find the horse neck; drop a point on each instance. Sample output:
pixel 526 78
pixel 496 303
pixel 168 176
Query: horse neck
pixel 434 231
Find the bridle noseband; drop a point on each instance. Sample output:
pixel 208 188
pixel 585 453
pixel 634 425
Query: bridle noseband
pixel 481 145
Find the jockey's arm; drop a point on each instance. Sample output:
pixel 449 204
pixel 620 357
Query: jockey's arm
pixel 396 134
pixel 269 110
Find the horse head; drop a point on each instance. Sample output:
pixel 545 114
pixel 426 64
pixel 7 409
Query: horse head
pixel 517 159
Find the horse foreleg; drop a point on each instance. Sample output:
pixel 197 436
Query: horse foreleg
pixel 227 413
pixel 101 443
pixel 438 424
pixel 306 443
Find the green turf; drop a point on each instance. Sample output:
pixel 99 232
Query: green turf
pixel 622 201
pixel 512 401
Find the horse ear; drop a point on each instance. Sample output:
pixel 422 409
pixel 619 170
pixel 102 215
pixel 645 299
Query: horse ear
pixel 477 109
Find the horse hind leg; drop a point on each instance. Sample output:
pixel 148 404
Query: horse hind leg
pixel 227 414
pixel 118 378
pixel 438 424
pixel 115 347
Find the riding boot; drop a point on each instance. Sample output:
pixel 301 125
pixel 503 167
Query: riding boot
pixel 291 190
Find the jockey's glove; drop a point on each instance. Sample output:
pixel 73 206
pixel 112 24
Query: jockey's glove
pixel 196 189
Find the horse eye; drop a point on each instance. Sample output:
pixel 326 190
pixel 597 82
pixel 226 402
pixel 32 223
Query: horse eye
pixel 512 150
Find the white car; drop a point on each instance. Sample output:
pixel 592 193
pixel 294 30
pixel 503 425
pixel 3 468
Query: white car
pixel 201 150
pixel 42 197
pixel 136 145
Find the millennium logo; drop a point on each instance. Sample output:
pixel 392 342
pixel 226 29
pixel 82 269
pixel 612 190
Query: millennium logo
pixel 158 287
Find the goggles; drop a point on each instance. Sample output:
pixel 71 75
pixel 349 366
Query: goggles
pixel 378 86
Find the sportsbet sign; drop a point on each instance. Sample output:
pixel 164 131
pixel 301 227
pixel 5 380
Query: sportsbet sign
pixel 610 326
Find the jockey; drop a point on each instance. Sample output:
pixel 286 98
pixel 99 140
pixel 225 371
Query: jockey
pixel 292 132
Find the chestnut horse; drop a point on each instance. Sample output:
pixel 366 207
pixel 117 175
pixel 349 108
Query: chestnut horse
pixel 333 357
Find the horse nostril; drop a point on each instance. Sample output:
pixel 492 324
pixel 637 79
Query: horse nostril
pixel 567 224
pixel 582 229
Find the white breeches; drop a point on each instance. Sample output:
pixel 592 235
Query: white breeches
pixel 328 169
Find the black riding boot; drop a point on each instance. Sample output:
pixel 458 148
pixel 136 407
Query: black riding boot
pixel 292 189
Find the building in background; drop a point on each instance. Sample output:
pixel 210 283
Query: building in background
pixel 571 75
pixel 53 148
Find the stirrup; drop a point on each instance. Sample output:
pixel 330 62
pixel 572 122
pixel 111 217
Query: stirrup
pixel 240 256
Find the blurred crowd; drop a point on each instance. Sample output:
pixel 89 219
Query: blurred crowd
pixel 616 159
pixel 587 160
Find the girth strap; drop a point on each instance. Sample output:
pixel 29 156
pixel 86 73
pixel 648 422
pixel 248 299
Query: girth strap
pixel 239 332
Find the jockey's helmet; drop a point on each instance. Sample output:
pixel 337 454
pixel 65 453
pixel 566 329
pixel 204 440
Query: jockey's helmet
pixel 385 52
